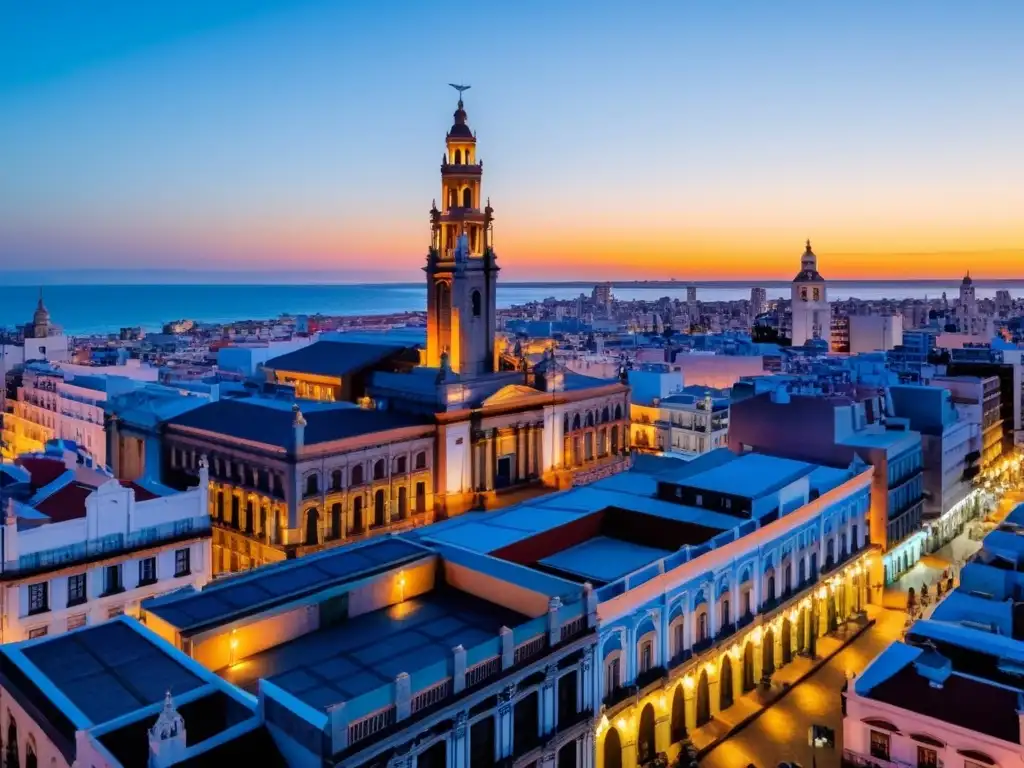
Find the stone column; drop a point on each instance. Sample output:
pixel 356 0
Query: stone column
pixel 548 700
pixel 521 456
pixel 690 706
pixel 777 640
pixel 664 641
pixel 587 681
pixel 459 745
pixel 489 445
pixel 714 696
pixel 663 730
pixel 506 699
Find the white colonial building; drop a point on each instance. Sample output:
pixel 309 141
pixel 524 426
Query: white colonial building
pixel 80 547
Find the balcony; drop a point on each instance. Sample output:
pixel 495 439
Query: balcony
pixel 853 759
pixel 618 695
pixel 681 658
pixel 702 645
pixel 644 679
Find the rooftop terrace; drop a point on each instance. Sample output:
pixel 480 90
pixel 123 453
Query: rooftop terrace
pixel 342 662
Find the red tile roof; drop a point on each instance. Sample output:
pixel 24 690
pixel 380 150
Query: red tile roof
pixel 992 708
pixel 141 494
pixel 66 504
pixel 43 471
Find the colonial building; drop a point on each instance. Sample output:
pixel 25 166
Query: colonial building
pixel 709 575
pixel 951 692
pixel 811 314
pixel 284 481
pixel 80 547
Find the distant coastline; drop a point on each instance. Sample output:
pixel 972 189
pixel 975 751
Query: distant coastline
pixel 88 308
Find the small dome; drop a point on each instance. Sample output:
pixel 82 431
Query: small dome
pixel 42 315
pixel 967 279
pixel 459 129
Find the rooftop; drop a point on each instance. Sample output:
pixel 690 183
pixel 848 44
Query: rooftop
pixel 334 358
pixel 262 421
pixel 252 593
pixel 364 653
pixel 751 475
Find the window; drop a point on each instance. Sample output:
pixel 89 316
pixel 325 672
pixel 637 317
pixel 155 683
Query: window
pixel 38 597
pixel 114 611
pixel 76 589
pixel 646 656
pixel 702 627
pixel 927 758
pixel 677 638
pixel 477 302
pixel 182 562
pixel 400 465
pixel 76 621
pixel 379 470
pixel 357 475
pixel 611 680
pixel 421 460
pixel 112 579
pixel 312 484
pixel 147 571
pixel 336 480
pixel 38 632
pixel 880 745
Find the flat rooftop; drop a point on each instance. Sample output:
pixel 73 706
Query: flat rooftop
pixel 359 655
pixel 109 670
pixel 603 559
pixel 751 475
pixel 252 593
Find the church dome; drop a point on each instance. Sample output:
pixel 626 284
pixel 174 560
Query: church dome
pixel 808 268
pixel 967 279
pixel 42 315
pixel 459 129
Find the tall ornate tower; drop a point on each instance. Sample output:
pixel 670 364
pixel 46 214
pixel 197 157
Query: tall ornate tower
pixel 967 307
pixel 812 315
pixel 462 270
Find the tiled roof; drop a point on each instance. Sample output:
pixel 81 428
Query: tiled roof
pixel 248 420
pixel 67 503
pixel 43 470
pixel 333 358
pixel 991 709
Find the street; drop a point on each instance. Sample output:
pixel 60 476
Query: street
pixel 781 732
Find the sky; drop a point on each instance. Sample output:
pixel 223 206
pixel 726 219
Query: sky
pixel 688 140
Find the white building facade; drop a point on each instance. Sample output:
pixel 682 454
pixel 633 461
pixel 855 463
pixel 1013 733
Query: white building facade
pixel 811 312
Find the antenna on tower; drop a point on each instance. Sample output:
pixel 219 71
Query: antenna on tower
pixel 460 88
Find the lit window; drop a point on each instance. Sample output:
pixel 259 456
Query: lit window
pixel 38 597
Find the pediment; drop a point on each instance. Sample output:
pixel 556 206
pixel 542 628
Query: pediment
pixel 510 393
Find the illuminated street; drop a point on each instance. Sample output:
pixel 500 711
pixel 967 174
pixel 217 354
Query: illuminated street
pixel 781 732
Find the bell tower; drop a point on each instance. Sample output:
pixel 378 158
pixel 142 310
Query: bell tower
pixel 462 269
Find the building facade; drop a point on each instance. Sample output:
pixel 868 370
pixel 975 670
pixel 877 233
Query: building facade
pixel 283 482
pixel 79 547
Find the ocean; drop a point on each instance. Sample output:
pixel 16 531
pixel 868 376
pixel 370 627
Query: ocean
pixel 99 309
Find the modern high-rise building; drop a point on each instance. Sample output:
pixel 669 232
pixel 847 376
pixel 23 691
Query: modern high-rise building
pixel 758 301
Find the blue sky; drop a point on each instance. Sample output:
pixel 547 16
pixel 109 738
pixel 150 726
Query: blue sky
pixel 660 139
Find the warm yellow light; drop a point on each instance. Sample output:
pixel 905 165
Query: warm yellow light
pixel 688 682
pixel 621 723
pixel 709 668
pixel 662 702
pixel 757 636
pixel 793 616
pixel 822 593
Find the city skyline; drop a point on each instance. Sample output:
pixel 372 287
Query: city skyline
pixel 696 143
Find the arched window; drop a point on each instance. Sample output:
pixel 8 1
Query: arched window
pixel 467 198
pixel 605 414
pixel 477 304
pixel 336 480
pixel 336 521
pixel 453 198
pixel 403 502
pixel 380 469
pixel 618 412
pixel 11 753
pixel 458 157
pixel 590 418
pixel 400 465
pixel 576 422
pixel 703 699
pixel 312 520
pixel 357 514
pixel 30 753
pixel 725 683
pixel 421 460
pixel 312 484
pixel 379 507
pixel 357 474
pixel 565 423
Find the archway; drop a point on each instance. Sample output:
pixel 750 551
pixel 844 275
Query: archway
pixel 833 619
pixel 612 749
pixel 801 631
pixel 336 521
pixel 357 514
pixel 725 683
pixel 11 752
pixel 787 641
pixel 703 700
pixel 30 754
pixel 748 667
pixel 403 502
pixel 312 520
pixel 458 157
pixel 378 507
pixel 645 736
pixel 768 654
pixel 467 198
pixel 677 725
